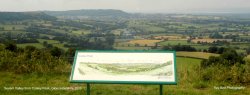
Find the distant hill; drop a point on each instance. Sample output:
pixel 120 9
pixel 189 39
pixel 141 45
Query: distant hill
pixel 19 16
pixel 89 13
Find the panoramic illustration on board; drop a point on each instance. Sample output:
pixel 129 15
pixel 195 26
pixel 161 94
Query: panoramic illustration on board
pixel 124 67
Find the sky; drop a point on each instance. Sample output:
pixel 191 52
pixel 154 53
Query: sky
pixel 133 6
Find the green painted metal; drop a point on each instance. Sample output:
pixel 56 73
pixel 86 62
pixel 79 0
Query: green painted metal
pixel 161 89
pixel 73 67
pixel 123 82
pixel 88 89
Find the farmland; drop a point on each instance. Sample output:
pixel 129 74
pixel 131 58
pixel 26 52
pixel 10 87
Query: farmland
pixel 33 44
pixel 137 34
pixel 144 42
pixel 200 55
pixel 174 42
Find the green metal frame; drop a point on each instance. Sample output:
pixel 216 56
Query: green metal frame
pixel 123 82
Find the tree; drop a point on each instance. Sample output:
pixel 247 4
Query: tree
pixel 220 50
pixel 137 45
pixel 70 53
pixel 228 58
pixel 10 46
pixel 49 46
pixel 55 51
pixel 216 35
pixel 248 50
pixel 45 43
pixel 1 28
pixel 30 48
pixel 212 49
pixel 179 48
pixel 110 38
pixel 232 57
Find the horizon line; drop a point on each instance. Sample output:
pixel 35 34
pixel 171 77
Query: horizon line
pixel 134 12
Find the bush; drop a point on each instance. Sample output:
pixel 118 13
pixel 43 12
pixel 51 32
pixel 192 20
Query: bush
pixel 32 60
pixel 10 46
pixel 200 85
pixel 179 48
pixel 55 51
pixel 228 58
pixel 228 67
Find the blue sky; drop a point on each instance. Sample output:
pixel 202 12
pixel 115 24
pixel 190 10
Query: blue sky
pixel 142 6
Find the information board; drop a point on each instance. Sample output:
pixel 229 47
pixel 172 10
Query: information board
pixel 124 67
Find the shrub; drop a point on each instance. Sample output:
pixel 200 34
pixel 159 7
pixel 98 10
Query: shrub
pixel 32 60
pixel 200 85
pixel 228 67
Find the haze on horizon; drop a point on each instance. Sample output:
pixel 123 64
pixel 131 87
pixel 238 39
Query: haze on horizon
pixel 138 6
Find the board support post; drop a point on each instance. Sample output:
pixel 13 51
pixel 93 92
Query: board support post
pixel 161 90
pixel 88 89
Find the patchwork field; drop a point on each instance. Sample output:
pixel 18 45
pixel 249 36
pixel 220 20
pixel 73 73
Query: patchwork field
pixel 143 42
pixel 170 38
pixel 140 43
pixel 209 40
pixel 175 42
pixel 132 48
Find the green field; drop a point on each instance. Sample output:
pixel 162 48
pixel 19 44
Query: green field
pixel 60 46
pixel 13 27
pixel 200 55
pixel 81 32
pixel 37 45
pixel 40 44
pixel 48 41
pixel 133 48
pixel 188 84
pixel 177 42
pixel 200 47
pixel 145 26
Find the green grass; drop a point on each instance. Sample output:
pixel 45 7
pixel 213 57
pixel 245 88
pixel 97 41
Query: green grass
pixel 60 46
pixel 186 68
pixel 133 48
pixel 14 33
pixel 200 55
pixel 81 32
pixel 181 42
pixel 37 45
pixel 40 44
pixel 49 41
pixel 200 47
pixel 247 37
pixel 144 26
pixel 16 27
pixel 50 36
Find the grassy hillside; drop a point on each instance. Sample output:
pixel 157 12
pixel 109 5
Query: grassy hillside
pixel 201 55
pixel 188 84
pixel 19 16
pixel 100 12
